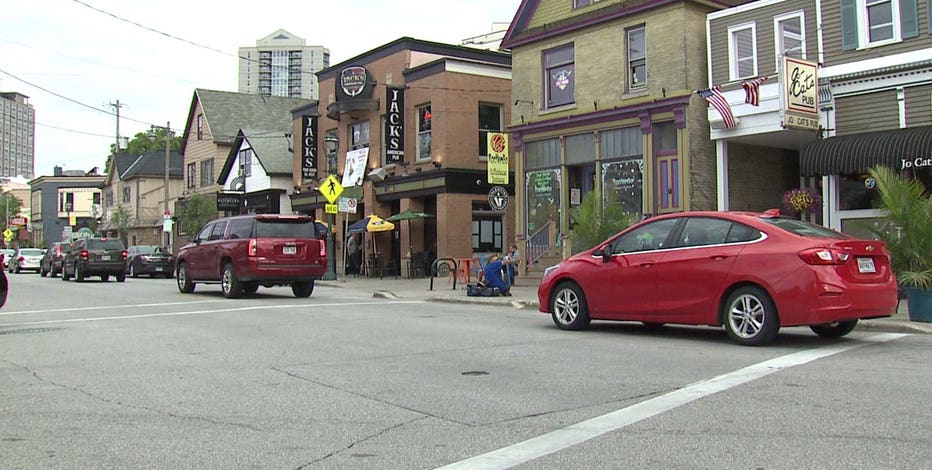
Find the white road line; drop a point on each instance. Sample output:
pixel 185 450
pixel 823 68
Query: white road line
pixel 551 442
pixel 197 312
pixel 104 307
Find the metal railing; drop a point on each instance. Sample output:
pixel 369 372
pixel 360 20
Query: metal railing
pixel 538 244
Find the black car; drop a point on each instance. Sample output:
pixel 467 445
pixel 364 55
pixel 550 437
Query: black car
pixel 52 260
pixel 95 257
pixel 149 259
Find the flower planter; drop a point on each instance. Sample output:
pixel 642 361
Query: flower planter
pixel 919 303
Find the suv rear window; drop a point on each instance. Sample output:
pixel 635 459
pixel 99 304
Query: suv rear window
pixel 285 228
pixel 111 244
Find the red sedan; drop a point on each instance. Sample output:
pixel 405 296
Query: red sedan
pixel 752 273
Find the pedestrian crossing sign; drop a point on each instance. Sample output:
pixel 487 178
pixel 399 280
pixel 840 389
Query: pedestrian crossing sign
pixel 331 189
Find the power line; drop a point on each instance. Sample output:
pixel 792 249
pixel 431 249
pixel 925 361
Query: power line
pixel 73 131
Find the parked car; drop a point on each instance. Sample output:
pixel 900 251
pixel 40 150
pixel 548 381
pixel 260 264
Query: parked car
pixel 102 257
pixel 751 273
pixel 52 260
pixel 7 255
pixel 25 259
pixel 149 259
pixel 243 252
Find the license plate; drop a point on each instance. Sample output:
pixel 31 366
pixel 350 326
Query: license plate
pixel 866 265
pixel 105 257
pixel 289 250
pixel 158 268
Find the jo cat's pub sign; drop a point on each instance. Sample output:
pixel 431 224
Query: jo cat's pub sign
pixel 800 82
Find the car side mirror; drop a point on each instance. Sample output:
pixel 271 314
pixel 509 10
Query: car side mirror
pixel 606 255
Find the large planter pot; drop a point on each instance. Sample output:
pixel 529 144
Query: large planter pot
pixel 919 303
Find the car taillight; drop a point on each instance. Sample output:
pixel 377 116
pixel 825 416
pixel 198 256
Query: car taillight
pixel 123 254
pixel 253 249
pixel 21 259
pixel 83 254
pixel 824 256
pixel 323 249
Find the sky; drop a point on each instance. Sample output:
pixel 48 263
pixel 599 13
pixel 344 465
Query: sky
pixel 75 59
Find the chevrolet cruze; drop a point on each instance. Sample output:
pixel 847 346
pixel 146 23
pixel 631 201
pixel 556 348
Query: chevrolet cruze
pixel 750 273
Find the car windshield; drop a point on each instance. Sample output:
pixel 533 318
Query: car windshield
pixel 803 228
pixel 31 252
pixel 110 244
pixel 285 228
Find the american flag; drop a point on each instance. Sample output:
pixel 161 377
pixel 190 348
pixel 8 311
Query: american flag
pixel 752 90
pixel 715 97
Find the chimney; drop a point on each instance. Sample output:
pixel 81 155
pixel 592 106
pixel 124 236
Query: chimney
pixel 57 171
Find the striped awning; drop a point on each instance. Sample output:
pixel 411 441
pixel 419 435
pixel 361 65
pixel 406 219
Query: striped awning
pixel 856 153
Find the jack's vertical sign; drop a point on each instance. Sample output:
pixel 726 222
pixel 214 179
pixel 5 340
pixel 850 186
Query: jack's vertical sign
pixel 394 124
pixel 309 148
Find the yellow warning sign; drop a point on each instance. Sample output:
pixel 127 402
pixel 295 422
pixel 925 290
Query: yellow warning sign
pixel 331 189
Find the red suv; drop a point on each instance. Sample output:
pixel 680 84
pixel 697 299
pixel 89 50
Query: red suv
pixel 243 252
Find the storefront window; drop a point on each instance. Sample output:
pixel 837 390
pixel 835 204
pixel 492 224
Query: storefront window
pixel 543 201
pixel 623 181
pixel 857 192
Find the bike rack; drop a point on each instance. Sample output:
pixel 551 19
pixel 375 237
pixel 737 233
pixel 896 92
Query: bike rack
pixel 434 268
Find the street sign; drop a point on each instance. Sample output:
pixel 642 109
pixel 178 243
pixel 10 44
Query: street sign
pixel 331 208
pixel 8 235
pixel 331 189
pixel 347 204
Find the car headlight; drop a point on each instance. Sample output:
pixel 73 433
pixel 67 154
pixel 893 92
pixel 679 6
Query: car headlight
pixel 551 269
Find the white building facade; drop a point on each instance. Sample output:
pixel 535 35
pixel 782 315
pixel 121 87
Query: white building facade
pixel 281 64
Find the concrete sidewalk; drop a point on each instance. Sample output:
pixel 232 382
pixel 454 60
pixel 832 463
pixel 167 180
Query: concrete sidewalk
pixel 525 297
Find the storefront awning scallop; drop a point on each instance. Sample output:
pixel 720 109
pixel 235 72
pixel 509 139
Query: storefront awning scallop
pixel 856 153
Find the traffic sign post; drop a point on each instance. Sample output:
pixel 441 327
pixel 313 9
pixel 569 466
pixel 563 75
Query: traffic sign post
pixel 331 189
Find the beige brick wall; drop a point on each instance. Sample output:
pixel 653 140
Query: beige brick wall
pixel 759 176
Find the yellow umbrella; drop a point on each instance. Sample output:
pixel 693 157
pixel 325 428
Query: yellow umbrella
pixel 378 224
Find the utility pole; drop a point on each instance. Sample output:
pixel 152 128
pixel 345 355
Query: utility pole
pixel 116 106
pixel 167 212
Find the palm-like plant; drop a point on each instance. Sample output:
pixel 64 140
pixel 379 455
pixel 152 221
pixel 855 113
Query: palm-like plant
pixel 597 221
pixel 908 234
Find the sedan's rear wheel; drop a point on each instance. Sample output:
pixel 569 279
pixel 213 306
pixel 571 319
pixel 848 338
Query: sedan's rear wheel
pixel 132 271
pixel 229 284
pixel 834 329
pixel 78 273
pixel 184 282
pixel 568 307
pixel 751 316
pixel 43 272
pixel 302 289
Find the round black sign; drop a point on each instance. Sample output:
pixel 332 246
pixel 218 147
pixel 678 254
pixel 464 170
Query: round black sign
pixel 498 198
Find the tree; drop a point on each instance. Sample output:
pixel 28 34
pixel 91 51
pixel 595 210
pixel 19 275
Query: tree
pixel 197 212
pixel 598 221
pixel 10 206
pixel 141 144
pixel 120 220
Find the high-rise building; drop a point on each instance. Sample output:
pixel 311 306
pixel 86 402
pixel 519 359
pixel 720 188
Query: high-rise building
pixel 281 64
pixel 17 135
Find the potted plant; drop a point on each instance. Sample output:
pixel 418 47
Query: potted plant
pixel 797 202
pixel 908 235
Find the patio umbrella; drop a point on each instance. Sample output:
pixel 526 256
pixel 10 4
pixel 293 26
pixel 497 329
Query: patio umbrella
pixel 408 215
pixel 370 223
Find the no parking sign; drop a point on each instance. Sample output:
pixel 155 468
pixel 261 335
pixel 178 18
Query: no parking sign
pixel 347 204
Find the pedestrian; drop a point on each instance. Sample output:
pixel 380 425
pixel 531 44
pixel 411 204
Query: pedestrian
pixel 352 252
pixel 493 275
pixel 512 268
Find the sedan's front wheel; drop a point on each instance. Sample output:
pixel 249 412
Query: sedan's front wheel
pixel 568 307
pixel 751 316
pixel 835 329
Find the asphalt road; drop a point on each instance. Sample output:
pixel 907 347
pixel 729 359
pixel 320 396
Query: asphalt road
pixel 137 375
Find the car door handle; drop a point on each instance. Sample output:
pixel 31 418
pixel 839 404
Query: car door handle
pixel 718 257
pixel 646 265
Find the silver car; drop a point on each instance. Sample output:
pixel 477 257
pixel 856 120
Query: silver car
pixel 26 259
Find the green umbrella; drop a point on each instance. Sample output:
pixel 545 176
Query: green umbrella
pixel 408 215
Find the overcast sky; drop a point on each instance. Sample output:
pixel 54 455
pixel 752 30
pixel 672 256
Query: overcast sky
pixel 74 58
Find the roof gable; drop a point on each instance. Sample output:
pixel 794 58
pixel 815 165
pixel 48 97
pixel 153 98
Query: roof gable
pixel 225 113
pixel 271 148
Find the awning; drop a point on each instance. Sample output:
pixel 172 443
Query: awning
pixel 856 153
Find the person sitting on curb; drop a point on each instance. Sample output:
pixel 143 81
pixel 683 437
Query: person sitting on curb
pixel 492 274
